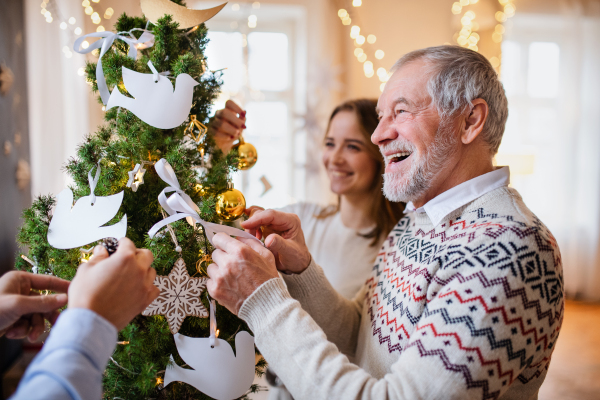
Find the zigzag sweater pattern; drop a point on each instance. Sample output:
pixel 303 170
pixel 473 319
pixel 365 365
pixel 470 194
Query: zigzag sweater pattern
pixel 469 309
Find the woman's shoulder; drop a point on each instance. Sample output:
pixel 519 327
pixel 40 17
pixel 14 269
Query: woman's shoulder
pixel 306 210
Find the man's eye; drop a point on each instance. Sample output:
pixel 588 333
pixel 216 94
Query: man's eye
pixel 400 111
pixel 329 144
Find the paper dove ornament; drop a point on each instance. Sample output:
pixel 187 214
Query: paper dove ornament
pixel 216 372
pixel 82 224
pixel 155 102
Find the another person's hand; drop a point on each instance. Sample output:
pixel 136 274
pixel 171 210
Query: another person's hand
pixel 227 125
pixel 118 287
pixel 240 267
pixel 286 243
pixel 22 311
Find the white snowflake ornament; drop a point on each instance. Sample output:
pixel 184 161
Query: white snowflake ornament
pixel 179 297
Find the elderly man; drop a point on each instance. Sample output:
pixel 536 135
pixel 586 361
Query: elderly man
pixel 466 296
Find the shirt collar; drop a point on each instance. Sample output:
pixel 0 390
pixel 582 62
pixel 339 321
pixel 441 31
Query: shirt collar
pixel 456 197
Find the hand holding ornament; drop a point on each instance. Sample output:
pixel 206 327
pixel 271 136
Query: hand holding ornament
pixel 240 267
pixel 23 309
pixel 285 238
pixel 227 125
pixel 118 287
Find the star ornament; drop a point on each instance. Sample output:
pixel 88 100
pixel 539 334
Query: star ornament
pixel 179 297
pixel 136 177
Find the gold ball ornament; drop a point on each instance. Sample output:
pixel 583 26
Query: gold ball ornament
pixel 230 204
pixel 246 153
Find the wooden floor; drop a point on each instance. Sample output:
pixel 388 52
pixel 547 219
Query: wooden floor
pixel 574 372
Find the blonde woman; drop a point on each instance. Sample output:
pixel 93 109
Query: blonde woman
pixel 345 237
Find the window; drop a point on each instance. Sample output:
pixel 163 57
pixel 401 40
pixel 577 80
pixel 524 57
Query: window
pixel 260 73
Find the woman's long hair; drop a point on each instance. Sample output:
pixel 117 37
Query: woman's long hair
pixel 383 212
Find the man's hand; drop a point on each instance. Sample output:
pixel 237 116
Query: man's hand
pixel 118 287
pixel 22 312
pixel 241 266
pixel 286 243
pixel 227 125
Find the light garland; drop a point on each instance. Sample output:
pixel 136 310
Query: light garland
pixel 50 11
pixel 468 36
pixel 359 41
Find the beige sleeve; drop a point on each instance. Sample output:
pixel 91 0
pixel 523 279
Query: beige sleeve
pixel 337 316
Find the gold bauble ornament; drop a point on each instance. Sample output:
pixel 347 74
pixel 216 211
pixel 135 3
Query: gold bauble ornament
pixel 230 204
pixel 246 153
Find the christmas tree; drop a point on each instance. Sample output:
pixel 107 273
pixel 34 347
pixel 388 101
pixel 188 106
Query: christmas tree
pixel 137 367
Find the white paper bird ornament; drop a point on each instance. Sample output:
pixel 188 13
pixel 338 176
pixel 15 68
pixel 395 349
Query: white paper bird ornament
pixel 83 223
pixel 217 372
pixel 155 102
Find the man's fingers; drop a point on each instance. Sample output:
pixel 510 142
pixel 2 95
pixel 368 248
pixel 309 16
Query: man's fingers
pixel 47 282
pixel 276 220
pixel 226 243
pixel 211 270
pixel 256 246
pixel 125 244
pixel 99 254
pixel 19 329
pixel 40 304
pixel 144 257
pixel 150 276
pixel 37 327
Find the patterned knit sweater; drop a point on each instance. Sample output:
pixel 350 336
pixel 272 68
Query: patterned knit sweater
pixel 468 309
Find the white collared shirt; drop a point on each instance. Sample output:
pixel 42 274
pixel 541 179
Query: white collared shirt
pixel 443 204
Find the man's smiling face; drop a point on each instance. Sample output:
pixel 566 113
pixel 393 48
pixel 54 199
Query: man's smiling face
pixel 410 135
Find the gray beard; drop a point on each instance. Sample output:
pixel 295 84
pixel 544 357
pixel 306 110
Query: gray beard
pixel 418 180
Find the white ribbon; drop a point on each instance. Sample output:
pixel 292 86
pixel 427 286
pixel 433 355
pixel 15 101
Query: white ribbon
pixel 179 205
pixel 155 74
pixel 93 182
pixel 213 324
pixel 145 41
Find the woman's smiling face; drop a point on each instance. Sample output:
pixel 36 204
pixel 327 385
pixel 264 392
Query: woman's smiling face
pixel 351 170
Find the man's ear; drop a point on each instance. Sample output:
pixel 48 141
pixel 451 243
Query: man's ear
pixel 475 121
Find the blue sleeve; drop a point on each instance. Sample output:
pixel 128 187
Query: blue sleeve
pixel 72 361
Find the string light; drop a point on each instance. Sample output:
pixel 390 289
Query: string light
pixel 362 57
pixel 371 39
pixel 256 5
pixel 100 29
pixel 252 21
pixel 235 7
pixel 342 13
pixel 379 54
pixel 72 20
pixel 356 3
pixel 77 31
pixel 468 36
pixel 360 40
pixel 81 71
pixel 354 31
pixel 108 13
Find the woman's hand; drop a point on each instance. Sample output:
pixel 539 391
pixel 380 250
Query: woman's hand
pixel 227 125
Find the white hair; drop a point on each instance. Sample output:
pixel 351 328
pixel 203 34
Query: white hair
pixel 459 76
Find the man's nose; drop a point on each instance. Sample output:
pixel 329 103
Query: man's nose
pixel 384 133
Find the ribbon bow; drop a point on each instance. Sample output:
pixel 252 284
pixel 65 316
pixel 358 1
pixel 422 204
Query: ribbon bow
pixel 145 41
pixel 93 182
pixel 179 205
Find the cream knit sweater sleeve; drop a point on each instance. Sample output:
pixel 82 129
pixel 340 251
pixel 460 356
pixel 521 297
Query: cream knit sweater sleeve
pixel 456 351
pixel 337 316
